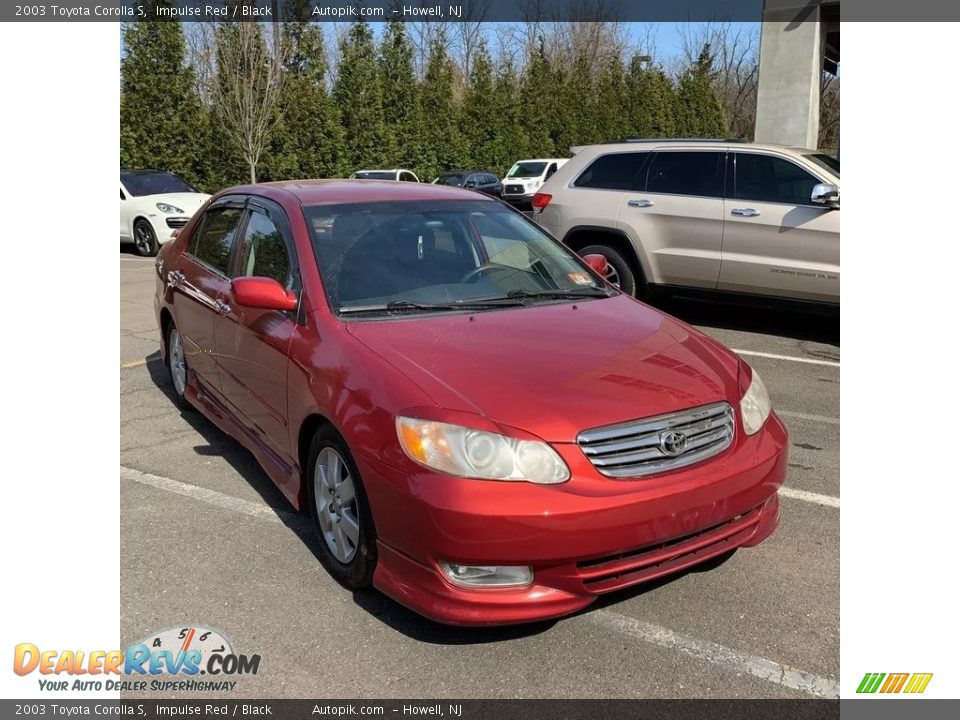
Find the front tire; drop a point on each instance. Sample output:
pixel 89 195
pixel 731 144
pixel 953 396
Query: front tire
pixel 619 272
pixel 145 239
pixel 340 511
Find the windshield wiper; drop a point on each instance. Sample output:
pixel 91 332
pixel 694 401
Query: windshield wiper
pixel 407 305
pixel 581 293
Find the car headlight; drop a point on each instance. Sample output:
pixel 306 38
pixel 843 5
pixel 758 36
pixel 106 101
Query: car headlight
pixel 169 209
pixel 471 453
pixel 755 405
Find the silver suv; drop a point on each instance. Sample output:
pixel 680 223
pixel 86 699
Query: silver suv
pixel 676 215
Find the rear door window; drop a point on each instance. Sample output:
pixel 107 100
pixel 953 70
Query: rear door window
pixel 616 171
pixel 684 172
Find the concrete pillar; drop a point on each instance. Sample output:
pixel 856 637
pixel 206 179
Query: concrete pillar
pixel 788 91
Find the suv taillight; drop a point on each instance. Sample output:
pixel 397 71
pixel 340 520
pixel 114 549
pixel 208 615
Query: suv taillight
pixel 541 200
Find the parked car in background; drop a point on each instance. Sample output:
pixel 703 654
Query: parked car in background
pixel 396 174
pixel 526 177
pixel 153 204
pixel 476 423
pixel 480 180
pixel 703 216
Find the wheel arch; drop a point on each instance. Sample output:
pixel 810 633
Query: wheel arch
pixel 308 428
pixel 581 236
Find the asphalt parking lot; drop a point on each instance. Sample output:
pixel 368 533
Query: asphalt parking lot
pixel 207 539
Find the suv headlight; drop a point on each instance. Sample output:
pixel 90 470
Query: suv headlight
pixel 471 453
pixel 755 405
pixel 169 209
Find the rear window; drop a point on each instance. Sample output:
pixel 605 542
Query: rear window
pixel 612 172
pixel 686 173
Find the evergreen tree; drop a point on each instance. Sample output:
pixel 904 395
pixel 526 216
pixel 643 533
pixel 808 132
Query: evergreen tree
pixel 359 97
pixel 539 103
pixel 480 111
pixel 444 146
pixel 309 143
pixel 611 101
pixel 650 101
pixel 509 122
pixel 699 108
pixel 159 104
pixel 401 104
pixel 576 118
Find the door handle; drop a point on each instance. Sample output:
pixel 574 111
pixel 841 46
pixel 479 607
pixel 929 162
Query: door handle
pixel 175 278
pixel 640 203
pixel 745 212
pixel 222 307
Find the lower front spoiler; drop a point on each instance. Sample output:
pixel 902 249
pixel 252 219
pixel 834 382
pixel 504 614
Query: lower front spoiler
pixel 563 589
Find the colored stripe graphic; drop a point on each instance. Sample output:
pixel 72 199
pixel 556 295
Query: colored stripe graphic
pixel 895 682
pixel 918 682
pixel 870 682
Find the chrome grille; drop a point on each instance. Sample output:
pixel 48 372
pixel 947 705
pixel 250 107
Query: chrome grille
pixel 653 445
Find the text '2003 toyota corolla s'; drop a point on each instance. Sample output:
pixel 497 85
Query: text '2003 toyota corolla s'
pixel 478 425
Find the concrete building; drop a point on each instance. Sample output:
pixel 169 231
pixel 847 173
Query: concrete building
pixel 798 42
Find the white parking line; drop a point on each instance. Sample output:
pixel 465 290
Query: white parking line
pixel 807 416
pixel 791 358
pixel 664 637
pixel 810 497
pixel 716 654
pixel 260 511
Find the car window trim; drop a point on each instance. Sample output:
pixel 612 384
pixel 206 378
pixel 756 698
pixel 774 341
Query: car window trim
pixel 719 151
pixel 733 182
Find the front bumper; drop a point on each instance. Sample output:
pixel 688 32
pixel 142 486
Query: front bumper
pixel 585 538
pixel 165 225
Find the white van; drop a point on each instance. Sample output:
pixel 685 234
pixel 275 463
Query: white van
pixel 526 177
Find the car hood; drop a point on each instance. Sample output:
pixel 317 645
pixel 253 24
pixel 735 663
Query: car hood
pixel 554 370
pixel 188 202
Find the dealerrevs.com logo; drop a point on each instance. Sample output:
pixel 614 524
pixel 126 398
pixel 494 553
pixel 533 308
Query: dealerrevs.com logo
pixel 910 683
pixel 190 658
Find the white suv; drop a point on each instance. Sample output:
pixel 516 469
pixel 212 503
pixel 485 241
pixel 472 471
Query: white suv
pixel 709 216
pixel 526 177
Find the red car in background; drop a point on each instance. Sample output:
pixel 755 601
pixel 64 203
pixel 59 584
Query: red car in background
pixel 478 424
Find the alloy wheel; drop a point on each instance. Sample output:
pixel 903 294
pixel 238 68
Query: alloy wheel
pixel 336 504
pixel 178 364
pixel 142 239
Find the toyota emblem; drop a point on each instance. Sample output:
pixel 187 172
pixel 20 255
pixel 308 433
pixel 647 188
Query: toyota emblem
pixel 672 443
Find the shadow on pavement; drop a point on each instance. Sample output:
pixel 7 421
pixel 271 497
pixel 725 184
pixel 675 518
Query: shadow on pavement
pixel 787 322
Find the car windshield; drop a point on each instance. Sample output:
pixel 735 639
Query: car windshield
pixel 827 162
pixel 154 183
pixel 456 180
pixel 527 169
pixel 375 175
pixel 417 256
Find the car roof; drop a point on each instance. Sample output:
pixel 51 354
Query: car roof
pixel 465 172
pixel 321 192
pixel 690 142
pixel 540 160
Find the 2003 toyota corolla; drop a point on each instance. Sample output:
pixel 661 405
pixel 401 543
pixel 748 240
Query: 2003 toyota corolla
pixel 479 426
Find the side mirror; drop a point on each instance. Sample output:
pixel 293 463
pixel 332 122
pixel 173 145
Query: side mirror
pixel 263 293
pixel 597 263
pixel 825 194
pixel 469 184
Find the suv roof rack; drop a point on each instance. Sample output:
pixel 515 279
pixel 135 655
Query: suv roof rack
pixel 672 139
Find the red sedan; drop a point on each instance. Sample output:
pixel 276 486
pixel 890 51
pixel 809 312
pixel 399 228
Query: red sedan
pixel 477 423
